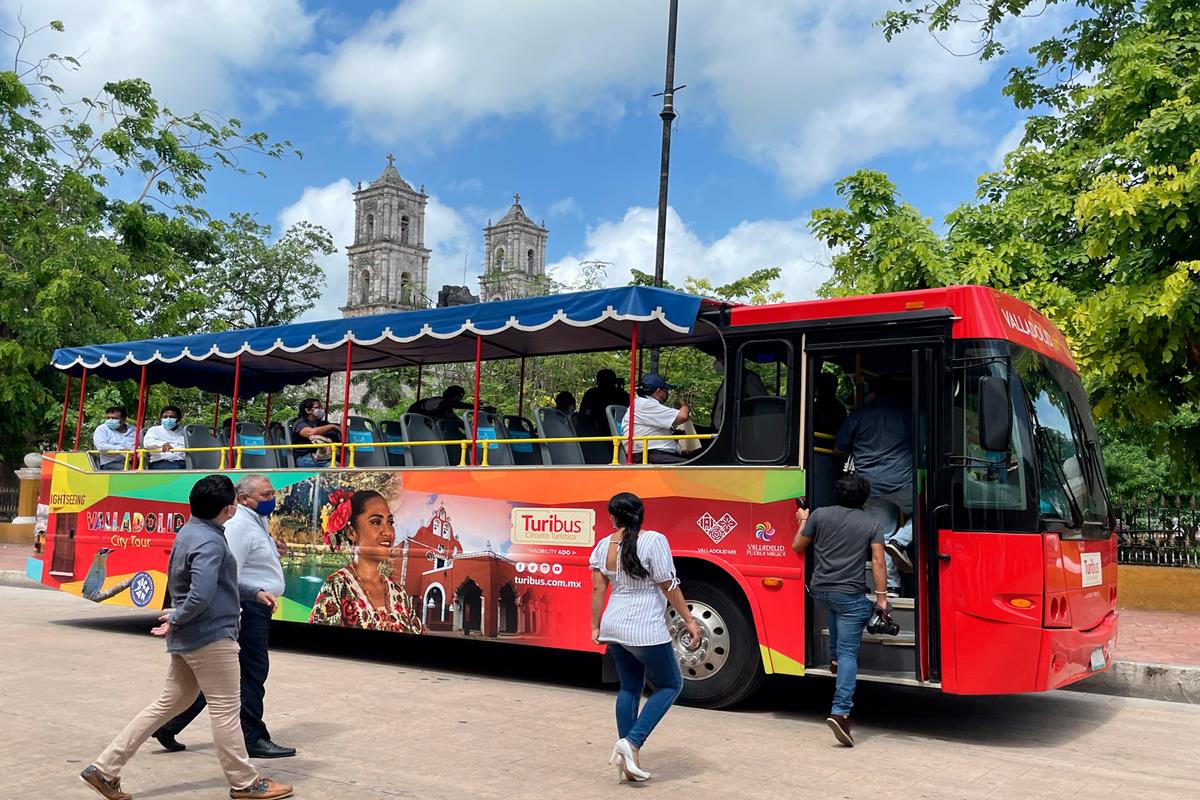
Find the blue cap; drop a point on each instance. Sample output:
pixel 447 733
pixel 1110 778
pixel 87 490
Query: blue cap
pixel 653 381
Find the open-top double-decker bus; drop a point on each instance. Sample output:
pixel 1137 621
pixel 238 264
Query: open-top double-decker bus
pixel 1014 580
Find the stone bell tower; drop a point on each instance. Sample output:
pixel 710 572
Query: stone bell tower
pixel 388 262
pixel 514 256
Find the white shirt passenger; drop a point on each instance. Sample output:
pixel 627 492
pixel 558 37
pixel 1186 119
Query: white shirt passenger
pixel 651 418
pixel 157 436
pixel 254 551
pixel 105 439
pixel 636 612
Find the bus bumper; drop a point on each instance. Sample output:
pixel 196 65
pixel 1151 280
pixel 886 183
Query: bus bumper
pixel 1069 655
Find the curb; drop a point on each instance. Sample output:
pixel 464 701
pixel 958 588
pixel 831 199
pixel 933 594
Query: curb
pixel 1175 683
pixel 17 578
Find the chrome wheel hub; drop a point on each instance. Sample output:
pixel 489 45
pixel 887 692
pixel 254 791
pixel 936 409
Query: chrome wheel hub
pixel 713 652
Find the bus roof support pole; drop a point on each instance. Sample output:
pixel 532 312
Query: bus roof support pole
pixel 346 399
pixel 267 423
pixel 475 414
pixel 62 421
pixel 216 412
pixel 79 419
pixel 141 417
pixel 237 386
pixel 521 396
pixel 633 363
pixel 420 375
pixel 328 383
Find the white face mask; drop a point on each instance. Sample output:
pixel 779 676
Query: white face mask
pixel 319 413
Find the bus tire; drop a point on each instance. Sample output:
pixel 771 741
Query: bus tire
pixel 727 667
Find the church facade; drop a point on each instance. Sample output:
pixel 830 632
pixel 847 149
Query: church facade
pixel 388 261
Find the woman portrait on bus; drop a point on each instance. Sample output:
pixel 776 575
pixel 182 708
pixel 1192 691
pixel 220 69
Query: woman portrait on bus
pixel 363 594
pixel 637 565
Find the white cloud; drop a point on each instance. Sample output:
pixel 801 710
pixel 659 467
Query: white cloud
pixel 332 207
pixel 566 207
pixel 1006 145
pixel 628 243
pixel 193 54
pixel 447 235
pixel 807 88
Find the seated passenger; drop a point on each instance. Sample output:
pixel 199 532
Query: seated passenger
pixel 752 386
pixel 564 402
pixel 828 411
pixel 114 435
pixel 311 428
pixel 607 392
pixel 166 439
pixel 652 417
pixel 444 407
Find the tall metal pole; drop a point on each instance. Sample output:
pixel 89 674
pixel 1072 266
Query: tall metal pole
pixel 668 118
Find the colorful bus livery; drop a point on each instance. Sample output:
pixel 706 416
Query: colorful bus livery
pixel 1014 580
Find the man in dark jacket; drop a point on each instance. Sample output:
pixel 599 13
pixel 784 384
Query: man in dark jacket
pixel 201 634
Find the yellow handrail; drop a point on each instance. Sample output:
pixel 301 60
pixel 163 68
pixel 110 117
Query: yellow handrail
pixel 463 445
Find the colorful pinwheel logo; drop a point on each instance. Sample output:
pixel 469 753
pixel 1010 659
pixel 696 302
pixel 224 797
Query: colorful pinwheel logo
pixel 764 531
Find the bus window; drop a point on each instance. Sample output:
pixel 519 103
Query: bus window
pixel 764 405
pixel 991 479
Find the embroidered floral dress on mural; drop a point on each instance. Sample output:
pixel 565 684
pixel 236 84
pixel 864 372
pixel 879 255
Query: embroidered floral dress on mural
pixel 342 601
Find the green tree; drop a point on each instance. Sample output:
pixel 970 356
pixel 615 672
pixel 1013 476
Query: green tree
pixel 264 283
pixel 1093 217
pixel 78 263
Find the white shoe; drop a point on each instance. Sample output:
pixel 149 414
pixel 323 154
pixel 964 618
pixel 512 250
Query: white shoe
pixel 622 756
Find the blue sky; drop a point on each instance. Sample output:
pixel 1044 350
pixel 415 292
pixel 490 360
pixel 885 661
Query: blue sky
pixel 479 99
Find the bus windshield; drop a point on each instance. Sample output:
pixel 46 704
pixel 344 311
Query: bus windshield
pixel 1069 465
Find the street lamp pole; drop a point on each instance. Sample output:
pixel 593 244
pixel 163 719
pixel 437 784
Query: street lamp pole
pixel 668 118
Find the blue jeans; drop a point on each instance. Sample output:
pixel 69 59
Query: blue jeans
pixel 309 460
pixel 168 464
pixel 113 466
pixel 848 615
pixel 886 509
pixel 635 665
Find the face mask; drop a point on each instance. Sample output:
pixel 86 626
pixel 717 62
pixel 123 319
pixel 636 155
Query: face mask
pixel 169 423
pixel 265 507
pixel 112 424
pixel 319 413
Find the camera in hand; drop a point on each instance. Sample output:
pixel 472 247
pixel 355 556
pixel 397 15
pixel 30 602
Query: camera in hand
pixel 881 623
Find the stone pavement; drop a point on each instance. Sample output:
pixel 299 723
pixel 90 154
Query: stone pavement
pixel 376 716
pixel 1159 637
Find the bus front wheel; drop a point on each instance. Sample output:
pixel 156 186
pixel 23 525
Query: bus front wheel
pixel 726 668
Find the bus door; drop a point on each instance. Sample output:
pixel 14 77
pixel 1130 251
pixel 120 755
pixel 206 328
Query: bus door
pixel 848 370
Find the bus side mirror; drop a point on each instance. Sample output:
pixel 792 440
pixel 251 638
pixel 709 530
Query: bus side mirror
pixel 995 414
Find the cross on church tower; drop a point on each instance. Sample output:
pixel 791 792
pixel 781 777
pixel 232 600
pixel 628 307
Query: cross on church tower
pixel 516 199
pixel 391 159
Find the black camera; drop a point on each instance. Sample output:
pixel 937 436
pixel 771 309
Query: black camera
pixel 881 624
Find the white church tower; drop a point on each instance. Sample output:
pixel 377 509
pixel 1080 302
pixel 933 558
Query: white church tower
pixel 514 256
pixel 389 263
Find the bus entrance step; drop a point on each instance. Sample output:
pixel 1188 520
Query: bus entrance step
pixel 902 640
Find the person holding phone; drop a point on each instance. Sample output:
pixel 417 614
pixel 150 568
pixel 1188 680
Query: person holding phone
pixel 637 565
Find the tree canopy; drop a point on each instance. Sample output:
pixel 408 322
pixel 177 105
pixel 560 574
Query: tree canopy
pixel 1093 218
pixel 101 237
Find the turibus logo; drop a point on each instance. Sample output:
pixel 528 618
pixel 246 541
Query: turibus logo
pixel 567 526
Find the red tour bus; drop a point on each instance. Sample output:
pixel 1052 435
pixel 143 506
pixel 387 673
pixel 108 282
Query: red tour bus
pixel 1014 580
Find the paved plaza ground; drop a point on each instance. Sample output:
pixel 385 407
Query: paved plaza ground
pixel 375 717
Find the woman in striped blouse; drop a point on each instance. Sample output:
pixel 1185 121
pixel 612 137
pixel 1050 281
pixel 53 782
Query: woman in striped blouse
pixel 637 565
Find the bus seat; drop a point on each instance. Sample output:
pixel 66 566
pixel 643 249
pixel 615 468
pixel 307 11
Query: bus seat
pixel 490 427
pixel 614 415
pixel 450 430
pixel 593 452
pixel 554 424
pixel 202 436
pixel 525 454
pixel 761 428
pixel 364 431
pixel 251 433
pixel 420 428
pixel 393 431
pixel 277 433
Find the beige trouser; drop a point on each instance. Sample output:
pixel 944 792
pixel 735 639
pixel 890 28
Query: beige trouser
pixel 213 669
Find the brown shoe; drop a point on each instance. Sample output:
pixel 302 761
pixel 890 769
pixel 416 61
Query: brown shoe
pixel 840 725
pixel 109 788
pixel 262 789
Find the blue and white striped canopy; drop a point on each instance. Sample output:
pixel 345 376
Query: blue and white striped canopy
pixel 272 358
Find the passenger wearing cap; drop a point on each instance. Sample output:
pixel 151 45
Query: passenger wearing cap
pixel 653 417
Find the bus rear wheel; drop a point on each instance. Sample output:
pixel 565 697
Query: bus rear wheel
pixel 726 668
